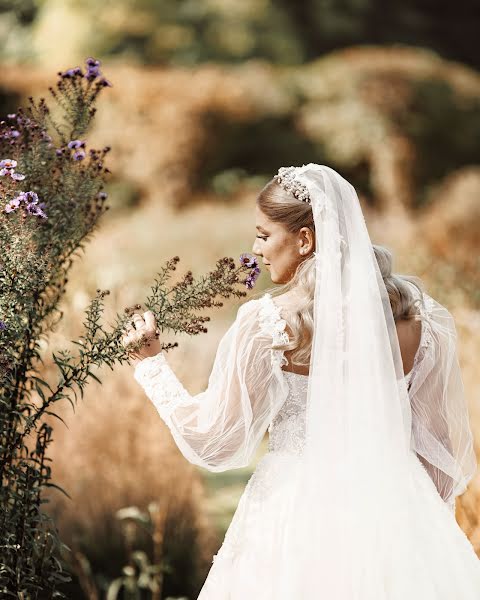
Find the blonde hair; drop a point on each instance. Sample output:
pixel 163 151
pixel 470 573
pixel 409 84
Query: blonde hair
pixel 282 207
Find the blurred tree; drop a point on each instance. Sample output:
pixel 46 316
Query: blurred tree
pixel 16 17
pixel 24 11
pixel 189 32
pixel 449 28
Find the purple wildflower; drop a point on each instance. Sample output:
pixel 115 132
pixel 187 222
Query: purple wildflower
pixel 93 69
pixel 248 260
pixel 13 133
pixel 3 326
pixel 104 82
pixel 34 209
pixel 92 73
pixel 8 163
pixel 12 116
pixel 249 282
pixel 102 195
pixel 79 155
pixel 69 73
pixel 12 205
pixel 27 197
pixel 59 151
pixel 74 144
pixel 17 176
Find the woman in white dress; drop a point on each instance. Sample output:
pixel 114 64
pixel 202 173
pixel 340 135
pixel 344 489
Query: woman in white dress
pixel 354 499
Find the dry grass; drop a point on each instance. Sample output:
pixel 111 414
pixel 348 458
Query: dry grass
pixel 116 451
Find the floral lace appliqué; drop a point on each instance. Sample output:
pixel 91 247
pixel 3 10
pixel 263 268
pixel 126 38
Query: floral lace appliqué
pixel 287 430
pixel 272 324
pixel 167 396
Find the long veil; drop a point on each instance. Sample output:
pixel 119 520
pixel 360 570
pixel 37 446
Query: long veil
pixel 356 495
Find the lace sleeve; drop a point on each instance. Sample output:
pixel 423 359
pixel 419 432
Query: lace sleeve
pixel 441 433
pixel 221 428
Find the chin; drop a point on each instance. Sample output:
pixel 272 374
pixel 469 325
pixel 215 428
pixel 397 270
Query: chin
pixel 278 279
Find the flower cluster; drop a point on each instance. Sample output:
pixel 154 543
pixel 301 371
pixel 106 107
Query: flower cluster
pixel 20 127
pixel 92 73
pixel 78 146
pixel 250 262
pixel 7 169
pixel 31 203
pixel 36 255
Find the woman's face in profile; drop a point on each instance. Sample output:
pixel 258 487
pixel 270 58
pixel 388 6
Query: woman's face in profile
pixel 280 250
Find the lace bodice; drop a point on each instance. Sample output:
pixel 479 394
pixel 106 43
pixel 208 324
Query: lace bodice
pixel 287 430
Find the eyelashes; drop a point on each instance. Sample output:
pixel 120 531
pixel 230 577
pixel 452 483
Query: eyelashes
pixel 262 237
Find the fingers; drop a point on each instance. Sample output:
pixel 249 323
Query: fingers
pixel 139 328
pixel 150 320
pixel 138 321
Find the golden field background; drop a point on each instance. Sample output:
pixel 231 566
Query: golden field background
pixel 191 147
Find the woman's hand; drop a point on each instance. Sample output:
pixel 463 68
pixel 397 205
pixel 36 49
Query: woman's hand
pixel 142 335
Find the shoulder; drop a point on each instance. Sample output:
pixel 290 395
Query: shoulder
pixel 409 332
pixel 264 314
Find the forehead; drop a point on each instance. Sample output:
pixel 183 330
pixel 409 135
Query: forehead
pixel 262 221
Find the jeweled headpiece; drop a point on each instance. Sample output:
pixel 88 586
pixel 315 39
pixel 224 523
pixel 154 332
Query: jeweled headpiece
pixel 286 177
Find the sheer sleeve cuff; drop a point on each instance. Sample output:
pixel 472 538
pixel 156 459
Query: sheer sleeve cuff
pixel 160 384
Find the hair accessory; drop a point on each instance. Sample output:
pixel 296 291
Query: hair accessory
pixel 286 177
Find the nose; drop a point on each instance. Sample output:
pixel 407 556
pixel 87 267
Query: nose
pixel 256 248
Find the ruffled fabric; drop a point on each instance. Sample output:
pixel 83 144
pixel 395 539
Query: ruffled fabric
pixel 272 324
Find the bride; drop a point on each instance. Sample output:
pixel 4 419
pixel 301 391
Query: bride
pixel 354 372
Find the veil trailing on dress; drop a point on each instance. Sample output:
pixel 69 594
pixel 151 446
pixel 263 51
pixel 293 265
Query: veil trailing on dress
pixel 355 488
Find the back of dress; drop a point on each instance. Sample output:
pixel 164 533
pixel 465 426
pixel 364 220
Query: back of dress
pixel 441 435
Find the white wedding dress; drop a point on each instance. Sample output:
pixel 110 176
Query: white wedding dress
pixel 217 430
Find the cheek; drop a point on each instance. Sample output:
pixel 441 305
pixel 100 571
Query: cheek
pixel 283 252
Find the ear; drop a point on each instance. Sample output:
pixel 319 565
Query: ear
pixel 306 241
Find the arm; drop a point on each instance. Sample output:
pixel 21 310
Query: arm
pixel 440 422
pixel 221 428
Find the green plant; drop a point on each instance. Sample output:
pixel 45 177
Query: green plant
pixel 52 196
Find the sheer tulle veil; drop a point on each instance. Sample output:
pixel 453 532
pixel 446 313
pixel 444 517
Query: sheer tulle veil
pixel 355 493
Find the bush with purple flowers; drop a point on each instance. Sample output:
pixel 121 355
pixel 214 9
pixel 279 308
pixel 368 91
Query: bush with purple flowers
pixel 51 199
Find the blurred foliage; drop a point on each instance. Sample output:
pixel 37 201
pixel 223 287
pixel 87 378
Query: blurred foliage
pixel 189 32
pixel 16 20
pixel 397 122
pixel 449 28
pixel 23 11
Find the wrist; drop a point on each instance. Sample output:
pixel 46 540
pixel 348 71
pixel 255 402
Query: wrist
pixel 147 350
